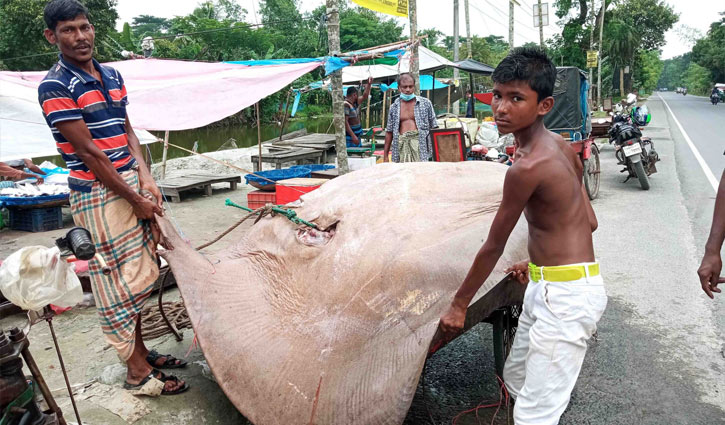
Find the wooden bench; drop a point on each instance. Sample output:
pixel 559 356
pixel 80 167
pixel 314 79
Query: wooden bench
pixel 173 187
pixel 296 155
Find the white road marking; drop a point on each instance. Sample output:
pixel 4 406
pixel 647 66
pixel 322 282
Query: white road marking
pixel 708 172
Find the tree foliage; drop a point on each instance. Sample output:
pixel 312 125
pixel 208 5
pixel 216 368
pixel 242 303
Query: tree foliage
pixel 709 51
pixel 697 79
pixel 21 32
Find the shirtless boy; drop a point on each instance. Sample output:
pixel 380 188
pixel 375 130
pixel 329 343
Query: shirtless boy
pixel 410 120
pixel 565 295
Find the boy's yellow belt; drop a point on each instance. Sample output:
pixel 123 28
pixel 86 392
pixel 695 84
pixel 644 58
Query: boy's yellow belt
pixel 562 273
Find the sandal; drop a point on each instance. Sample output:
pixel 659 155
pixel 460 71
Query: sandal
pixel 170 363
pixel 153 385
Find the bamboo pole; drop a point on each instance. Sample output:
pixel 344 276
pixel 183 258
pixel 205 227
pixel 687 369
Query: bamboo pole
pixel 284 119
pixel 367 113
pixel 414 57
pixel 259 134
pixel 599 55
pixel 384 115
pixel 166 150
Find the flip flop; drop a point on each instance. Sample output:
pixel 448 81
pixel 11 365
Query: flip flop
pixel 153 385
pixel 170 362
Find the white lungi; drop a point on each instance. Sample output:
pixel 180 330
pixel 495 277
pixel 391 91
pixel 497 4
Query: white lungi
pixel 551 340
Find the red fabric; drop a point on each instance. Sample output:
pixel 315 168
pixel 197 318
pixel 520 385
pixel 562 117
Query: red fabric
pixel 486 98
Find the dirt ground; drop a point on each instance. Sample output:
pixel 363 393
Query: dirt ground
pixel 451 382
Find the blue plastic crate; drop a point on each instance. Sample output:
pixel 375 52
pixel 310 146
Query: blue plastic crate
pixel 36 219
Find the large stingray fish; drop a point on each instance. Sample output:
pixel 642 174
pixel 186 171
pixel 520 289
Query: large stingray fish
pixel 332 326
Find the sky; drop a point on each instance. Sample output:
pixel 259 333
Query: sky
pixel 487 17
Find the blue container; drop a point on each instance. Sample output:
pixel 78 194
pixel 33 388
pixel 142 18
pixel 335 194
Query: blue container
pixel 261 179
pixel 36 219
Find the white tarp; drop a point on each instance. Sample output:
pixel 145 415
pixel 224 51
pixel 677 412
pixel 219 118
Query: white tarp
pixel 23 131
pixel 429 61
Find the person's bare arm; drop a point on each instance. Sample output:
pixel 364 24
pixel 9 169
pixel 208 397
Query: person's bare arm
pixel 367 89
pixel 80 138
pixel 519 185
pixel 146 181
pixel 13 174
pixel 32 167
pixel 711 266
pixel 388 142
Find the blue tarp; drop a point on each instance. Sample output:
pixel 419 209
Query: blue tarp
pixel 426 83
pixel 297 171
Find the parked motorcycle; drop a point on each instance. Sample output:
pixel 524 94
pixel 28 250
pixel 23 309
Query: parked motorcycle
pixel 635 152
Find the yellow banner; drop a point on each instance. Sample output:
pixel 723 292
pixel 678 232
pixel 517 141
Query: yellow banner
pixel 592 58
pixel 390 7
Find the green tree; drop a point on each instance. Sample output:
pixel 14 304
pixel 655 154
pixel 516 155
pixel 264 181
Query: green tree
pixel 697 79
pixel 673 71
pixel 709 51
pixel 21 32
pixel 147 25
pixel 650 19
pixel 126 39
pixel 648 70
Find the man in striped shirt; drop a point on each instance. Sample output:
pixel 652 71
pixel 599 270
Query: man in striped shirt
pixel 84 104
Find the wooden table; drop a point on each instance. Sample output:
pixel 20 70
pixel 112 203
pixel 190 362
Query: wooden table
pixel 320 141
pixel 326 174
pixel 296 155
pixel 173 187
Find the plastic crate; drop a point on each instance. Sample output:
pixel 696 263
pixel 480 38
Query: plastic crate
pixel 290 190
pixel 260 198
pixel 36 219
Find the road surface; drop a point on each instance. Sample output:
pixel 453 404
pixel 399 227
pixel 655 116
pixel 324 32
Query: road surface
pixel 658 358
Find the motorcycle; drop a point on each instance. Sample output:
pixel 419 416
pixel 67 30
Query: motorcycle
pixel 714 98
pixel 635 152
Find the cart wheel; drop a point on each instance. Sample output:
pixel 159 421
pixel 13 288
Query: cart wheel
pixel 591 173
pixel 505 320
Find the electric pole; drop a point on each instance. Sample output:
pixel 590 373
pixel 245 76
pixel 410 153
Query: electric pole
pixel 469 42
pixel 599 54
pixel 414 63
pixel 541 27
pixel 455 48
pixel 511 24
pixel 591 46
pixel 338 112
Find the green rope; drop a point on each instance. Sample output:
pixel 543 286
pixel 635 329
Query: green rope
pixel 290 214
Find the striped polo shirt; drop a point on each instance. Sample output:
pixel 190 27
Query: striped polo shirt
pixel 69 93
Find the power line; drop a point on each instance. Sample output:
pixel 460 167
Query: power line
pixel 504 26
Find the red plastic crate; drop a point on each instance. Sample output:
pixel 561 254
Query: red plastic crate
pixel 259 198
pixel 290 190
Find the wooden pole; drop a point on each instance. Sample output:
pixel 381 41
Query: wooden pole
pixel 385 98
pixel 590 95
pixel 511 24
pixel 284 119
pixel 259 134
pixel 333 40
pixel 166 150
pixel 449 98
pixel 367 113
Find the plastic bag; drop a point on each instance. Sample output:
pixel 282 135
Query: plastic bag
pixel 487 135
pixel 36 276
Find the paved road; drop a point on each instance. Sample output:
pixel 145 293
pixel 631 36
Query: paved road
pixel 659 355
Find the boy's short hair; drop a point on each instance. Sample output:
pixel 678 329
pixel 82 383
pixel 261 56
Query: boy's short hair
pixel 351 90
pixel 62 10
pixel 528 64
pixel 405 74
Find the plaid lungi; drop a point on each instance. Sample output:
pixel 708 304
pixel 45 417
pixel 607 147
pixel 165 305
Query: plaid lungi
pixel 126 244
pixel 409 146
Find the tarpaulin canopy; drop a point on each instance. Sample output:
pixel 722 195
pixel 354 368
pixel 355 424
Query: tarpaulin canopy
pixel 23 131
pixel 180 95
pixel 569 113
pixel 425 81
pixel 474 66
pixel 429 61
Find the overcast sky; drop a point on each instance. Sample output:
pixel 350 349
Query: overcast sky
pixel 487 17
